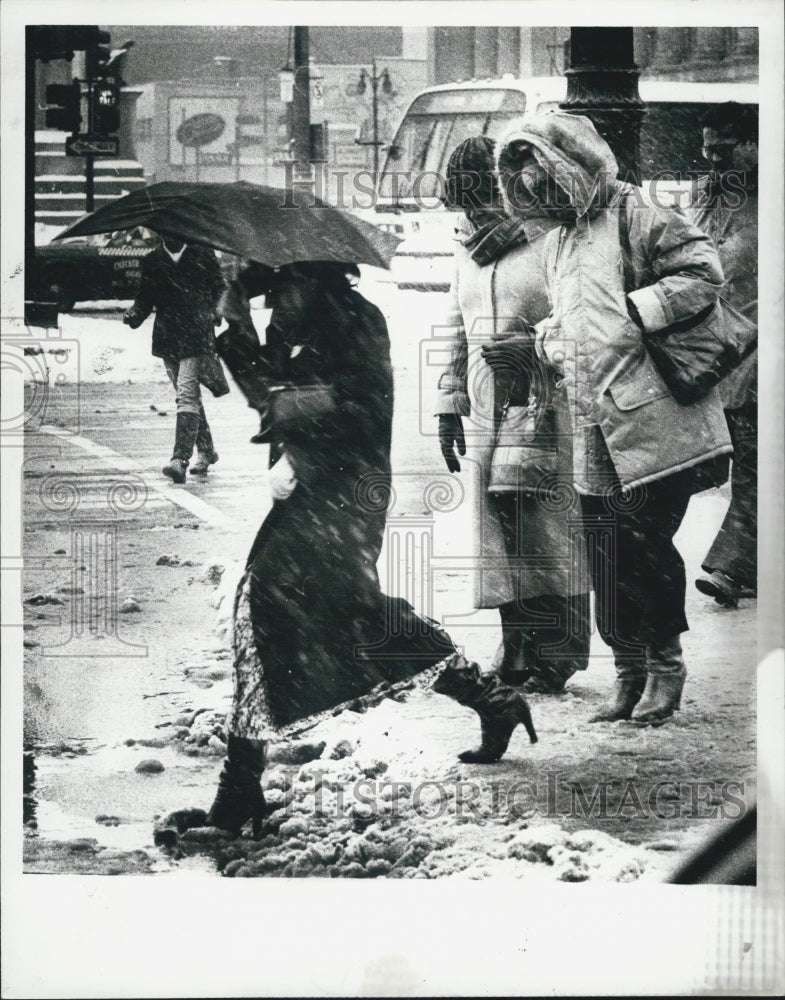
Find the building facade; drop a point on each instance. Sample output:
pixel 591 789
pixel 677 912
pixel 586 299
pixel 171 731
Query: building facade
pixel 173 73
pixel 683 53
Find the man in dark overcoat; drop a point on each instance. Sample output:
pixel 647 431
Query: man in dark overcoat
pixel 182 284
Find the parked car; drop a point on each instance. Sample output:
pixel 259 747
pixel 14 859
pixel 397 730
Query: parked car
pixel 106 267
pixel 89 269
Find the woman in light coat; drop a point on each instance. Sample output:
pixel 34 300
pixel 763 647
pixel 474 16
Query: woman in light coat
pixel 638 455
pixel 529 558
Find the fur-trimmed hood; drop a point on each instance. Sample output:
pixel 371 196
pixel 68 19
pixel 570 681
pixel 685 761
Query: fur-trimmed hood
pixel 570 149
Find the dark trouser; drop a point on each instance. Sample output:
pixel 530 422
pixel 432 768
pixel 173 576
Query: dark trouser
pixel 734 550
pixel 554 636
pixel 638 574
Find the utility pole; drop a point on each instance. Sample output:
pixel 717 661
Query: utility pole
pixel 301 110
pixel 602 83
pixel 30 64
pixel 91 71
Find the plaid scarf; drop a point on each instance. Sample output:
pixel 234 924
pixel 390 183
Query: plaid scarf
pixel 494 239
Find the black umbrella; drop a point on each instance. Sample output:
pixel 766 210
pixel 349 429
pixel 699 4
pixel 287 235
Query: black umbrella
pixel 263 224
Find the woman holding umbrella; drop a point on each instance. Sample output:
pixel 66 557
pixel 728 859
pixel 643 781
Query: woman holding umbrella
pixel 313 630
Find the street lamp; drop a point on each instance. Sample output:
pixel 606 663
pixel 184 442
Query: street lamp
pixel 374 79
pixel 602 83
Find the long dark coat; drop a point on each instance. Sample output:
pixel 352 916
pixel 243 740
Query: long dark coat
pixel 323 630
pixel 184 294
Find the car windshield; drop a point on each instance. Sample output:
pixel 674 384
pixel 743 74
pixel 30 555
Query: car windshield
pixel 137 237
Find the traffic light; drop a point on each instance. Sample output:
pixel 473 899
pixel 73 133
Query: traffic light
pixel 64 113
pixel 105 98
pixel 103 51
pixel 98 54
pixel 55 41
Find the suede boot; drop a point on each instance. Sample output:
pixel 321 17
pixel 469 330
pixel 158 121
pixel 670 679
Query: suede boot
pixel 501 708
pixel 666 674
pixel 627 689
pixel 239 797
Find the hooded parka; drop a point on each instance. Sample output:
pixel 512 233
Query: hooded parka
pixel 626 423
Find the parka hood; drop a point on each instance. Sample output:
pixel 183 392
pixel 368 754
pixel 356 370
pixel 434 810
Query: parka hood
pixel 570 149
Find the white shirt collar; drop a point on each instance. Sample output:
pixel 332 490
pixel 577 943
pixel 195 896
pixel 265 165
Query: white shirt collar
pixel 175 256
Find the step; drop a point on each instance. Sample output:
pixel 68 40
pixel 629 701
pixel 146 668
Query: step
pixel 105 184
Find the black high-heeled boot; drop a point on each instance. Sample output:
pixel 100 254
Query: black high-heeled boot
pixel 501 708
pixel 240 797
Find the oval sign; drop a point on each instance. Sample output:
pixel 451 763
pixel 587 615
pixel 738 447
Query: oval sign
pixel 199 130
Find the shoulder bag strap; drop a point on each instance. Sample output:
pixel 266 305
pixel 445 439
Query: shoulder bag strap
pixel 624 244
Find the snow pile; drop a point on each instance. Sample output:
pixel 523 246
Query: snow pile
pixel 225 576
pixel 109 351
pixel 350 814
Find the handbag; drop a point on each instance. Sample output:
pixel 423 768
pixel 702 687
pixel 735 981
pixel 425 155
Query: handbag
pixel 525 451
pixel 211 375
pixel 694 354
pixel 295 404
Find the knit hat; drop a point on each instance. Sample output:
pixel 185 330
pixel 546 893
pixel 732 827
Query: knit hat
pixel 470 180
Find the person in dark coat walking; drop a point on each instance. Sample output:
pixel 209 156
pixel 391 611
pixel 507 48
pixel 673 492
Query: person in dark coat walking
pixel 313 631
pixel 182 284
pixel 725 206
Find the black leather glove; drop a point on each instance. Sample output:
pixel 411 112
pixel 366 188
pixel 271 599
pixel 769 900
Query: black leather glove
pixel 633 313
pixel 132 318
pixel 512 357
pixel 450 436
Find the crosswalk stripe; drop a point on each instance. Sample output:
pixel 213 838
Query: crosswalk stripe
pixel 195 505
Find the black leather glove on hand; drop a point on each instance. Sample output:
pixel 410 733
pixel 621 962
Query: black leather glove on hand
pixel 513 363
pixel 513 357
pixel 132 319
pixel 450 436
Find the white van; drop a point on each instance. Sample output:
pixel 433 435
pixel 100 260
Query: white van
pixel 439 118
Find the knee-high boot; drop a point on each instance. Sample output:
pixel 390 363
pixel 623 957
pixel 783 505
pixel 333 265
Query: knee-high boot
pixel 240 797
pixel 206 455
pixel 627 689
pixel 665 678
pixel 184 439
pixel 501 708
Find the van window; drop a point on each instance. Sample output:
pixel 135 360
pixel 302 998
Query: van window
pixel 434 125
